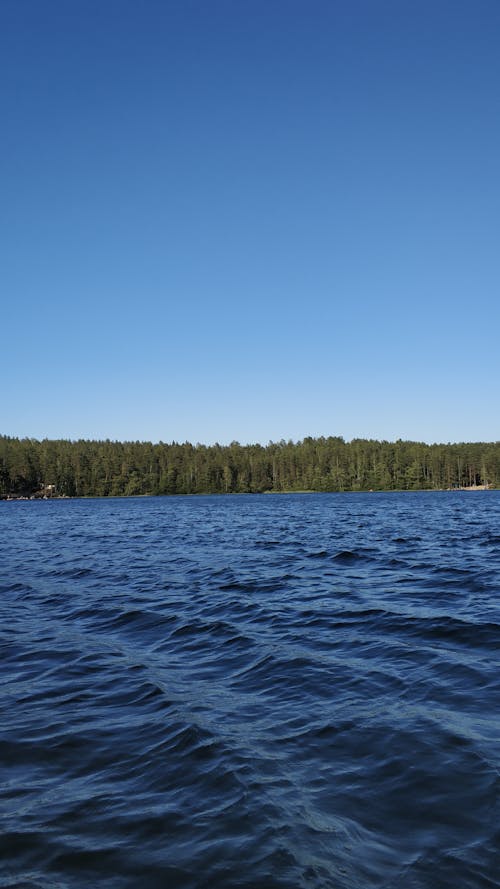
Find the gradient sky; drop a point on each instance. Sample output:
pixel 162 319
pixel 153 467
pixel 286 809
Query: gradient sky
pixel 250 220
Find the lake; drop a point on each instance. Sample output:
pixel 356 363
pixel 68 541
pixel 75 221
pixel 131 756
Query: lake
pixel 251 691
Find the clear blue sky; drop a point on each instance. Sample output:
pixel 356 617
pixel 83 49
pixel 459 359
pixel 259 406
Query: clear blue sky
pixel 250 219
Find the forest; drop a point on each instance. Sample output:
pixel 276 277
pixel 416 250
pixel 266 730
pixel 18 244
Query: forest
pixel 85 468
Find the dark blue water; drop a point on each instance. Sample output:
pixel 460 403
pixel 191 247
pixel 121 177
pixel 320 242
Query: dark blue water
pixel 251 691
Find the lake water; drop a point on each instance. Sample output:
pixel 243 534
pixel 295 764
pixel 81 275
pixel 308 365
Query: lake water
pixel 251 691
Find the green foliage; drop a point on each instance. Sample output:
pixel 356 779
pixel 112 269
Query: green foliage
pixel 105 468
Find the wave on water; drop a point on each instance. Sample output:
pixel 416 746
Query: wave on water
pixel 297 691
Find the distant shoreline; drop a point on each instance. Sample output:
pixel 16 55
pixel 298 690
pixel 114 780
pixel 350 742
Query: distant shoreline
pixel 31 468
pixel 32 499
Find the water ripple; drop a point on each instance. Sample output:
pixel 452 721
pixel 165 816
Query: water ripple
pixel 287 691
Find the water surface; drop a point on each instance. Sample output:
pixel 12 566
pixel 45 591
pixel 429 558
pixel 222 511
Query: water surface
pixel 251 691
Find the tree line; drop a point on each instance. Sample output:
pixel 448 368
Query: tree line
pixel 86 468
